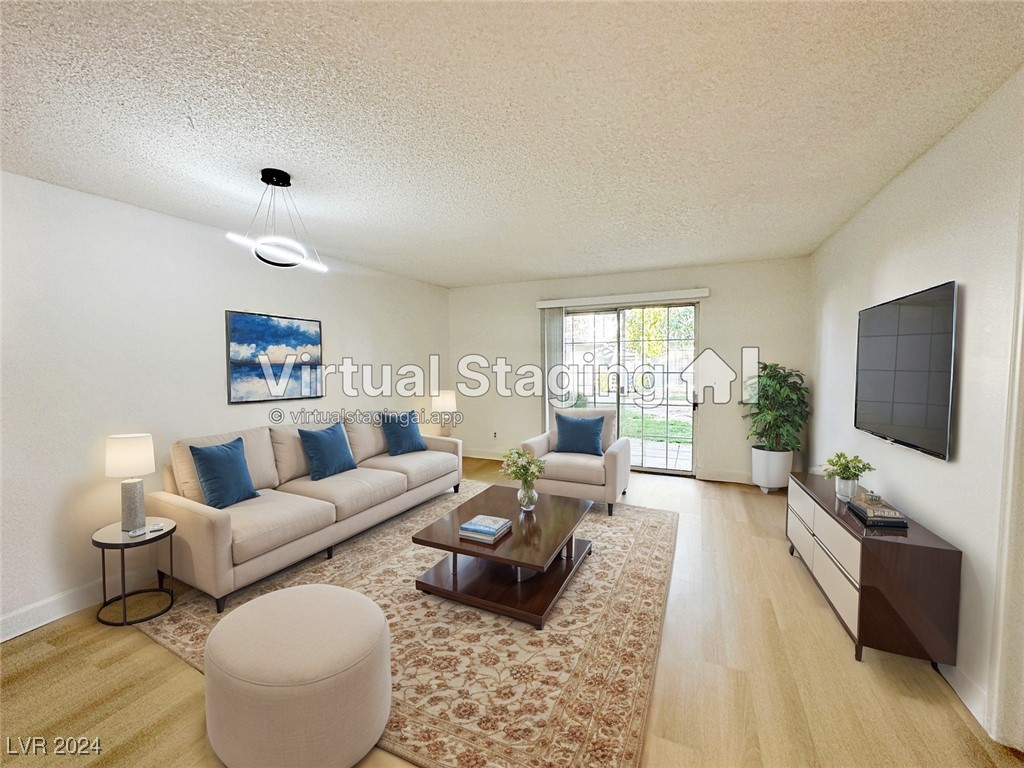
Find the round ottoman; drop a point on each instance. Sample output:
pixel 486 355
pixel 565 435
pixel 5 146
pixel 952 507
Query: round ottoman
pixel 298 677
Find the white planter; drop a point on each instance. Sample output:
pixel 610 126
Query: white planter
pixel 770 469
pixel 845 489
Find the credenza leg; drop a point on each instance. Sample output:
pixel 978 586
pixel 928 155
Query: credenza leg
pixel 791 550
pixel 935 666
pixel 858 651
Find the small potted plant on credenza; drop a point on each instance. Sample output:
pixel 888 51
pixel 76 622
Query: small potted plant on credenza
pixel 847 471
pixel 776 419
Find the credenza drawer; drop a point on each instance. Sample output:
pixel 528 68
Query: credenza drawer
pixel 801 503
pixel 837 588
pixel 838 541
pixel 801 538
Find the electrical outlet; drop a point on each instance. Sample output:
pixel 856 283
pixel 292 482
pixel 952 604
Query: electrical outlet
pixel 495 435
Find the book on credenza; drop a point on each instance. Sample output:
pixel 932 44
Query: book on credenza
pixel 875 511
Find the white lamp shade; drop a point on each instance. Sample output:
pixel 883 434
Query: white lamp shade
pixel 444 402
pixel 130 455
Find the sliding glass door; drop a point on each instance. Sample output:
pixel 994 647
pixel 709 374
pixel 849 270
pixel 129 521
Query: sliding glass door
pixel 636 360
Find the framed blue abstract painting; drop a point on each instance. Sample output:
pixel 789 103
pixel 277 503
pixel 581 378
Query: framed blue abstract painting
pixel 272 358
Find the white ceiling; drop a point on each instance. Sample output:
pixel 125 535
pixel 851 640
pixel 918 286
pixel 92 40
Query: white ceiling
pixel 480 143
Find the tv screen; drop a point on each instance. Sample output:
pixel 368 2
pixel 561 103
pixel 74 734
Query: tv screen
pixel 905 356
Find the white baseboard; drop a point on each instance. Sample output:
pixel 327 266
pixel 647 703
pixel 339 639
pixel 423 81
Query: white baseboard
pixel 970 693
pixel 58 606
pixel 483 454
pixel 724 476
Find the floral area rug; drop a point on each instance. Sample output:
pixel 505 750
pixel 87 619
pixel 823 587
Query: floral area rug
pixel 474 689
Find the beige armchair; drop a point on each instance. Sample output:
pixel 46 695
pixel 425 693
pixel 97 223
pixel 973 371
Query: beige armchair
pixel 581 475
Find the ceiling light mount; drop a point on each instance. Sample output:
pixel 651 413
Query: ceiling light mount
pixel 275 177
pixel 271 248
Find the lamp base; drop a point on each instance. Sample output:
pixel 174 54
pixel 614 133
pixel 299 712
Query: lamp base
pixel 133 505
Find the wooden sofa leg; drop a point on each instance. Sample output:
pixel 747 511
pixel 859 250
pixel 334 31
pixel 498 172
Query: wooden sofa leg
pixel 456 487
pixel 330 552
pixel 221 602
pixel 610 507
pixel 160 576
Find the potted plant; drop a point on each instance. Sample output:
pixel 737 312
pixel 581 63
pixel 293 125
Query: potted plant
pixel 847 471
pixel 519 465
pixel 776 420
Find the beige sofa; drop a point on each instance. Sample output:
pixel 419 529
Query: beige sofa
pixel 581 475
pixel 222 550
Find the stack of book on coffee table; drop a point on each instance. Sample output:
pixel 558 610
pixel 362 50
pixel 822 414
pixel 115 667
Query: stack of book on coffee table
pixel 485 528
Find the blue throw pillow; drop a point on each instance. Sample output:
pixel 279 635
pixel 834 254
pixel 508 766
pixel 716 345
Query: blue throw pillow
pixel 579 435
pixel 223 473
pixel 327 451
pixel 402 433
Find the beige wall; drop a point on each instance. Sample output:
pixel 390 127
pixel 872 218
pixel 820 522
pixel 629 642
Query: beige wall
pixel 113 321
pixel 763 304
pixel 953 215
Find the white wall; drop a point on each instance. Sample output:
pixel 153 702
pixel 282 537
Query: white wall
pixel 762 304
pixel 952 215
pixel 113 321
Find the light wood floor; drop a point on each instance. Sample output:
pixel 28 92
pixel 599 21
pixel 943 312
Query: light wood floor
pixel 754 668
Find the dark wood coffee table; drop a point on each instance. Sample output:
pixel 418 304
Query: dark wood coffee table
pixel 520 575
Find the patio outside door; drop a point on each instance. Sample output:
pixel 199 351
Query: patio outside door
pixel 634 359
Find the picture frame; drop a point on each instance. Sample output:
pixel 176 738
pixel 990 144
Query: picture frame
pixel 272 357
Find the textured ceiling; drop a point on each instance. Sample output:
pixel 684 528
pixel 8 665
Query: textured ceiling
pixel 482 143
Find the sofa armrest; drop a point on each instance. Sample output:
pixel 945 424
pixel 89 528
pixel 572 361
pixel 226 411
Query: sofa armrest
pixel 202 542
pixel 616 468
pixel 539 445
pixel 446 444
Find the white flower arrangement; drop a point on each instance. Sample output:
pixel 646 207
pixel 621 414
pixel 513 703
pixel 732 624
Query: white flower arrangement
pixel 518 465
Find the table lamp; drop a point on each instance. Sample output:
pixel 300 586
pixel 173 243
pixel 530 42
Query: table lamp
pixel 444 403
pixel 130 456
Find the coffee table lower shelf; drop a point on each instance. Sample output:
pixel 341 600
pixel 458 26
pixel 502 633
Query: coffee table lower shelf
pixel 492 586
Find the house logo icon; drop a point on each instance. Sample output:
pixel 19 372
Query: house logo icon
pixel 710 370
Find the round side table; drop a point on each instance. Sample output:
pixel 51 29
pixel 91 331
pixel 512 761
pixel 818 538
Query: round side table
pixel 112 537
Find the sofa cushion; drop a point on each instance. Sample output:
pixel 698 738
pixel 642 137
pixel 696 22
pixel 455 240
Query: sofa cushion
pixel 402 433
pixel 419 467
pixel 273 519
pixel 259 458
pixel 608 430
pixel 574 468
pixel 365 440
pixel 579 435
pixel 327 451
pixel 223 476
pixel 289 456
pixel 353 491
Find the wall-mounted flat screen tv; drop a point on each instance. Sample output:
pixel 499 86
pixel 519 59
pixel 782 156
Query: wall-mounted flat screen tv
pixel 905 362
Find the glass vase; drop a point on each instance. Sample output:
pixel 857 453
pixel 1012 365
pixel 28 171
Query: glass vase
pixel 527 495
pixel 845 489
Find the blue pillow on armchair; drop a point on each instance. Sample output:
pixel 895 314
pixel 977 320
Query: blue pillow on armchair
pixel 402 432
pixel 577 434
pixel 327 451
pixel 223 473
